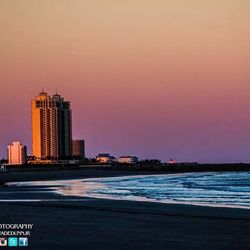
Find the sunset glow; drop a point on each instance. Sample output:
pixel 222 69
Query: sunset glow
pixel 156 79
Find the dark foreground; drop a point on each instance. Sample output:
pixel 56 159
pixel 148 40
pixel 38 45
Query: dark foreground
pixel 86 223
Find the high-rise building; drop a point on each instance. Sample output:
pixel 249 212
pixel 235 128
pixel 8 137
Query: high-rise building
pixel 78 149
pixel 51 127
pixel 16 153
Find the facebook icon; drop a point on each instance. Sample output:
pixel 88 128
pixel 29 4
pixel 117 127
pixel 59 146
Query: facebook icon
pixel 23 242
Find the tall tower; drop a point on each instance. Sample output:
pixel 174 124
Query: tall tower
pixel 51 127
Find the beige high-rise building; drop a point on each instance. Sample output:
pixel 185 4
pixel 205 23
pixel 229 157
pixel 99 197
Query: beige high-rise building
pixel 16 153
pixel 51 127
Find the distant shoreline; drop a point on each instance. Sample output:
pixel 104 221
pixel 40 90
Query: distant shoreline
pixel 178 167
pixel 40 173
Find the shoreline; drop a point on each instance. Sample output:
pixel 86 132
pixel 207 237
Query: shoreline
pixel 33 174
pixel 56 188
pixel 89 223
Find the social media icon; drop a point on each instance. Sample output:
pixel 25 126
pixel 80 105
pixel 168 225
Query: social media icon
pixel 3 242
pixel 23 242
pixel 12 242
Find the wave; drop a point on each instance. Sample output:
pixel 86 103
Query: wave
pixel 231 189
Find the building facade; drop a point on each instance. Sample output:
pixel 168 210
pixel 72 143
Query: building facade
pixel 105 158
pixel 51 127
pixel 16 153
pixel 78 149
pixel 128 159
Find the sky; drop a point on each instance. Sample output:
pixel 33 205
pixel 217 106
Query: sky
pixel 151 78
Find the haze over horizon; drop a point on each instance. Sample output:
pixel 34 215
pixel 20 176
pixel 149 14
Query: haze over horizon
pixel 156 79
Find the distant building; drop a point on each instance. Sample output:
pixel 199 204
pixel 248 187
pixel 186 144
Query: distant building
pixel 16 153
pixel 172 161
pixel 150 162
pixel 128 159
pixel 105 158
pixel 78 149
pixel 51 127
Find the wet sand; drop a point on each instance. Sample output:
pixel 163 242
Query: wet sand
pixel 88 223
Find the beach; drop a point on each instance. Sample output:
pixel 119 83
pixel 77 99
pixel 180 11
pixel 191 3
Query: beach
pixel 61 222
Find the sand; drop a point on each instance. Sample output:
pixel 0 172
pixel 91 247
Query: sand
pixel 88 223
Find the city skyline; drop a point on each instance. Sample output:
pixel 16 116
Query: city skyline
pixel 155 79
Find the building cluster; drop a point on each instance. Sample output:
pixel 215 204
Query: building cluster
pixel 51 133
pixel 106 158
pixel 52 137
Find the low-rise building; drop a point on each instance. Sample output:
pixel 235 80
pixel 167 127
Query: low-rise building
pixel 16 153
pixel 78 149
pixel 105 158
pixel 150 162
pixel 172 161
pixel 128 159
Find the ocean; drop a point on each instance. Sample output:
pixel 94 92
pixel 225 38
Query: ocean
pixel 225 189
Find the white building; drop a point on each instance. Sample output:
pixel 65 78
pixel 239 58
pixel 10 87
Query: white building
pixel 128 159
pixel 172 161
pixel 16 153
pixel 105 158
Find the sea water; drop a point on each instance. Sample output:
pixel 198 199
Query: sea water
pixel 226 189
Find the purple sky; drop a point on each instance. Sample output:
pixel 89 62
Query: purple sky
pixel 156 79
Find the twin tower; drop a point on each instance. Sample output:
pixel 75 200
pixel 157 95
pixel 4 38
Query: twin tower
pixel 51 127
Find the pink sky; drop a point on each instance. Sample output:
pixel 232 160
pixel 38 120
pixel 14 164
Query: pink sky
pixel 157 79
